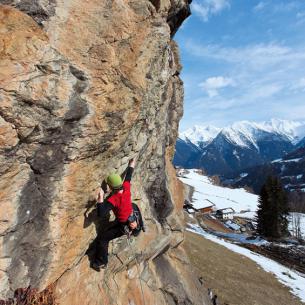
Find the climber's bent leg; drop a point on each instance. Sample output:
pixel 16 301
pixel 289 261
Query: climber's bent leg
pixel 103 243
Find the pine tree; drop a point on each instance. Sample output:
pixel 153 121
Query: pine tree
pixel 272 210
pixel 262 217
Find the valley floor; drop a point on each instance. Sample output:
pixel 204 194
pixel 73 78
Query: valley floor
pixel 236 279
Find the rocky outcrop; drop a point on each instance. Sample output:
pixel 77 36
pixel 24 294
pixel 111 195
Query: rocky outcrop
pixel 84 87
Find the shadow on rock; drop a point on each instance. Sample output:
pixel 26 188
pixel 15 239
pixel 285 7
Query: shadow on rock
pixel 102 224
pixel 90 215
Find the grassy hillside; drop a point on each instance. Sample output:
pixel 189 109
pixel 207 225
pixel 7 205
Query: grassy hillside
pixel 236 279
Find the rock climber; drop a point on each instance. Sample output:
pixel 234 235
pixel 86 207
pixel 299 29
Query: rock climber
pixel 214 300
pixel 119 201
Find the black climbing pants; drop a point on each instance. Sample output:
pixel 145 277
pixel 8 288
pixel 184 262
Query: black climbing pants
pixel 103 240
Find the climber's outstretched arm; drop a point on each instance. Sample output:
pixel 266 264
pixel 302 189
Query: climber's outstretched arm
pixel 129 170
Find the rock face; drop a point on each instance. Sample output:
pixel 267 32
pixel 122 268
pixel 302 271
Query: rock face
pixel 84 87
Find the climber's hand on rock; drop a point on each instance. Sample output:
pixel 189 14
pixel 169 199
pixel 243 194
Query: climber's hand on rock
pixel 100 196
pixel 133 225
pixel 132 163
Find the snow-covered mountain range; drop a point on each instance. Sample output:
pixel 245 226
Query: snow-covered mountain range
pixel 245 133
pixel 244 144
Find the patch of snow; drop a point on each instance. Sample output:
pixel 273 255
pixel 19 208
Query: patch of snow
pixel 235 153
pixel 295 281
pixel 206 194
pixel 242 238
pixel 243 214
pixel 200 134
pixel 285 161
pixel 299 176
pixel 205 203
pixel 292 160
pixel 222 197
pixel 243 175
pixel 231 225
pixel 277 160
pixel 242 133
pixel 294 130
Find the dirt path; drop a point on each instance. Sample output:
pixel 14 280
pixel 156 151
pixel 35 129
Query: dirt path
pixel 236 279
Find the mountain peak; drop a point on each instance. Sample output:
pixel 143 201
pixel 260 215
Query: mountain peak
pixel 198 133
pixel 244 133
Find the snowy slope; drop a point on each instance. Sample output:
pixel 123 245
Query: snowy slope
pixel 199 134
pixel 295 281
pixel 238 199
pixel 242 134
pixel 295 130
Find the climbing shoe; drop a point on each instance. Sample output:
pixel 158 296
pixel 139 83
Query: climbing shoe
pixel 97 266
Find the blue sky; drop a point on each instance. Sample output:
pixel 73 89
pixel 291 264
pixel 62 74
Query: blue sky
pixel 243 60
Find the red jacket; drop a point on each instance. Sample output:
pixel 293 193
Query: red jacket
pixel 121 201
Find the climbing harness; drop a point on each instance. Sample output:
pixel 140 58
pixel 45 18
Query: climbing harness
pixel 135 216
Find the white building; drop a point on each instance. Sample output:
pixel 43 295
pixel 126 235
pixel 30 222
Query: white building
pixel 225 214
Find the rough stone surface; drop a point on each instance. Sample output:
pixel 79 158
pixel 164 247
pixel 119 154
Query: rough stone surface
pixel 84 87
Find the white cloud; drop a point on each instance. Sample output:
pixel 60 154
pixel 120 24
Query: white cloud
pixel 213 84
pixel 278 7
pixel 299 85
pixel 267 67
pixel 300 15
pixel 300 18
pixel 265 91
pixel 206 8
pixel 286 111
pixel 249 96
pixel 286 6
pixel 261 70
pixel 256 57
pixel 302 83
pixel 260 6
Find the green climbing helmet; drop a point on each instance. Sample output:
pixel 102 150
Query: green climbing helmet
pixel 114 181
